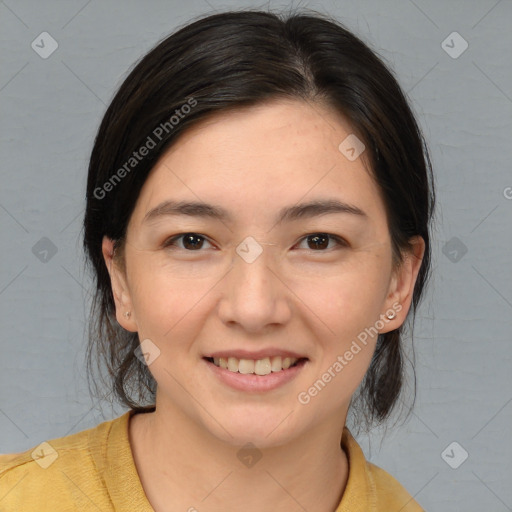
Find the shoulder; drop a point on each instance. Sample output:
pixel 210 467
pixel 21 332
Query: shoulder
pixel 55 475
pixel 389 493
pixel 369 488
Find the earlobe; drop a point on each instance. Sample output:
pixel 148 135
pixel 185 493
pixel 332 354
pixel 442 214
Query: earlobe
pixel 120 291
pixel 402 285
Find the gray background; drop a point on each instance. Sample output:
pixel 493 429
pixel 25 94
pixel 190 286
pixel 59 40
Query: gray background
pixel 50 111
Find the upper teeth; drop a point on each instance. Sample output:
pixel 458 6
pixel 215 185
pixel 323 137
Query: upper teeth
pixel 259 367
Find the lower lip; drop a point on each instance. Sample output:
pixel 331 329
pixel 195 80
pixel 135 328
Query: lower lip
pixel 253 382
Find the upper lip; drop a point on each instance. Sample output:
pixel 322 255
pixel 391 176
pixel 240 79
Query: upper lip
pixel 259 354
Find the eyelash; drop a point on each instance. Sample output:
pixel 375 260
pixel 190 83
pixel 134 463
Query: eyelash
pixel 170 242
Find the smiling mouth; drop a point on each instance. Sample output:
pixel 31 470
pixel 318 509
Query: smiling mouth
pixel 260 367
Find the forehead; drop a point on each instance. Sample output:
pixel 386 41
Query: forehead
pixel 262 157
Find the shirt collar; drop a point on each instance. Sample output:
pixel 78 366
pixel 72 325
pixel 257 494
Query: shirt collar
pixel 115 462
pixel 115 459
pixel 359 494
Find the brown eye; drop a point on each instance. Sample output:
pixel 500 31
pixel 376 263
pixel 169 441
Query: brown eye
pixel 191 241
pixel 320 241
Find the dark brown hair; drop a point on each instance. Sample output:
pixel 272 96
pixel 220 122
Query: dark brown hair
pixel 225 62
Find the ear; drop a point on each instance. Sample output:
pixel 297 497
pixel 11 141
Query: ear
pixel 401 286
pixel 120 289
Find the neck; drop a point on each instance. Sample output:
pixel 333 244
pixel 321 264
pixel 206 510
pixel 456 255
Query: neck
pixel 184 467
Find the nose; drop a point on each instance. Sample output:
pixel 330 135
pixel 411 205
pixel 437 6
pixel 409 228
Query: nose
pixel 254 296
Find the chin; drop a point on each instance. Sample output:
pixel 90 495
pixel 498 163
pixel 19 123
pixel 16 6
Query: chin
pixel 263 432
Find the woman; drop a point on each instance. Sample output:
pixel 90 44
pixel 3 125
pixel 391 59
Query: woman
pixel 259 201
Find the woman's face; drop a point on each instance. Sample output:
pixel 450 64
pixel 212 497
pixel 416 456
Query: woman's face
pixel 258 280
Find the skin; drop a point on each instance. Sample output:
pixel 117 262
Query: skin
pixel 293 296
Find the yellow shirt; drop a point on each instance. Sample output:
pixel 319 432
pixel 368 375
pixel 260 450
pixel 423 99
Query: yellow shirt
pixel 93 470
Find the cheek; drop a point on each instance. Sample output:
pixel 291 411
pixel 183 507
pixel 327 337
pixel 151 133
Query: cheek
pixel 344 297
pixel 163 303
pixel 348 298
pixel 346 310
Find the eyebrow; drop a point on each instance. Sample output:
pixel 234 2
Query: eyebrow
pixel 301 211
